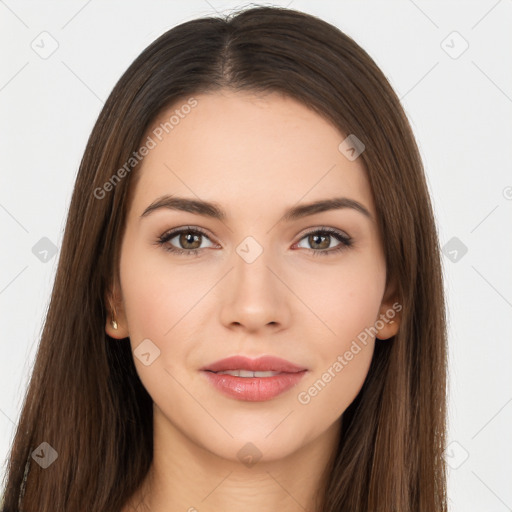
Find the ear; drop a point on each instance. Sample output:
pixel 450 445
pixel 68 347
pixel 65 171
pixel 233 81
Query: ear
pixel 115 309
pixel 388 320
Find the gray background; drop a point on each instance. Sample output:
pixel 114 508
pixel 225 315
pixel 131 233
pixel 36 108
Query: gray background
pixel 459 102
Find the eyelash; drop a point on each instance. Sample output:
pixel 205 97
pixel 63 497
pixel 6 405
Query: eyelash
pixel 346 241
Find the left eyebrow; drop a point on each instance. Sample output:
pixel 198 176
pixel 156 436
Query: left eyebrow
pixel 209 209
pixel 303 210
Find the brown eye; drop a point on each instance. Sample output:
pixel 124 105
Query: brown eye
pixel 319 241
pixel 185 241
pixel 189 241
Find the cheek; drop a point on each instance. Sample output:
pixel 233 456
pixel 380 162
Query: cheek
pixel 342 359
pixel 157 294
pixel 343 298
pixel 159 303
pixel 157 300
pixel 346 301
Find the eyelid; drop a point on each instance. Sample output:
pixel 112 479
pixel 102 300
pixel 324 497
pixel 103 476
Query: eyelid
pixel 328 229
pixel 179 229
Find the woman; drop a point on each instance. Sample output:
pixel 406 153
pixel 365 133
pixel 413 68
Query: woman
pixel 248 309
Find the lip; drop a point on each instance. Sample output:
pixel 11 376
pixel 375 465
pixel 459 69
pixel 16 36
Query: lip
pixel 260 364
pixel 254 389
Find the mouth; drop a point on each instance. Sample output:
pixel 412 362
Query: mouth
pixel 253 380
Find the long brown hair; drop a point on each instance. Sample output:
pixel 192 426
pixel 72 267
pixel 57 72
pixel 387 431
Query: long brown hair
pixel 85 398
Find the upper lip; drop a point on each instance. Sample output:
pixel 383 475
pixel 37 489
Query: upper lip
pixel 260 364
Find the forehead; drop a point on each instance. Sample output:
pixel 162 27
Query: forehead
pixel 244 149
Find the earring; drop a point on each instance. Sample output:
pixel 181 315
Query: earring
pixel 113 321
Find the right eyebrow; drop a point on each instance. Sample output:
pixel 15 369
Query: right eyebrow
pixel 186 205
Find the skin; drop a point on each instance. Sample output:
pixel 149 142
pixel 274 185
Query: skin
pixel 255 156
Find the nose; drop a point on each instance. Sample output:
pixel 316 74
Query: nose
pixel 253 296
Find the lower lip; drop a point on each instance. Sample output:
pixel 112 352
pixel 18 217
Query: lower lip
pixel 254 389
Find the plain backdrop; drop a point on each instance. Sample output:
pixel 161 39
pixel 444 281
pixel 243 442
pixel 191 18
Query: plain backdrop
pixel 450 63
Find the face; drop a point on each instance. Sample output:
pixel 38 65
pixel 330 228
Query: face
pixel 197 287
